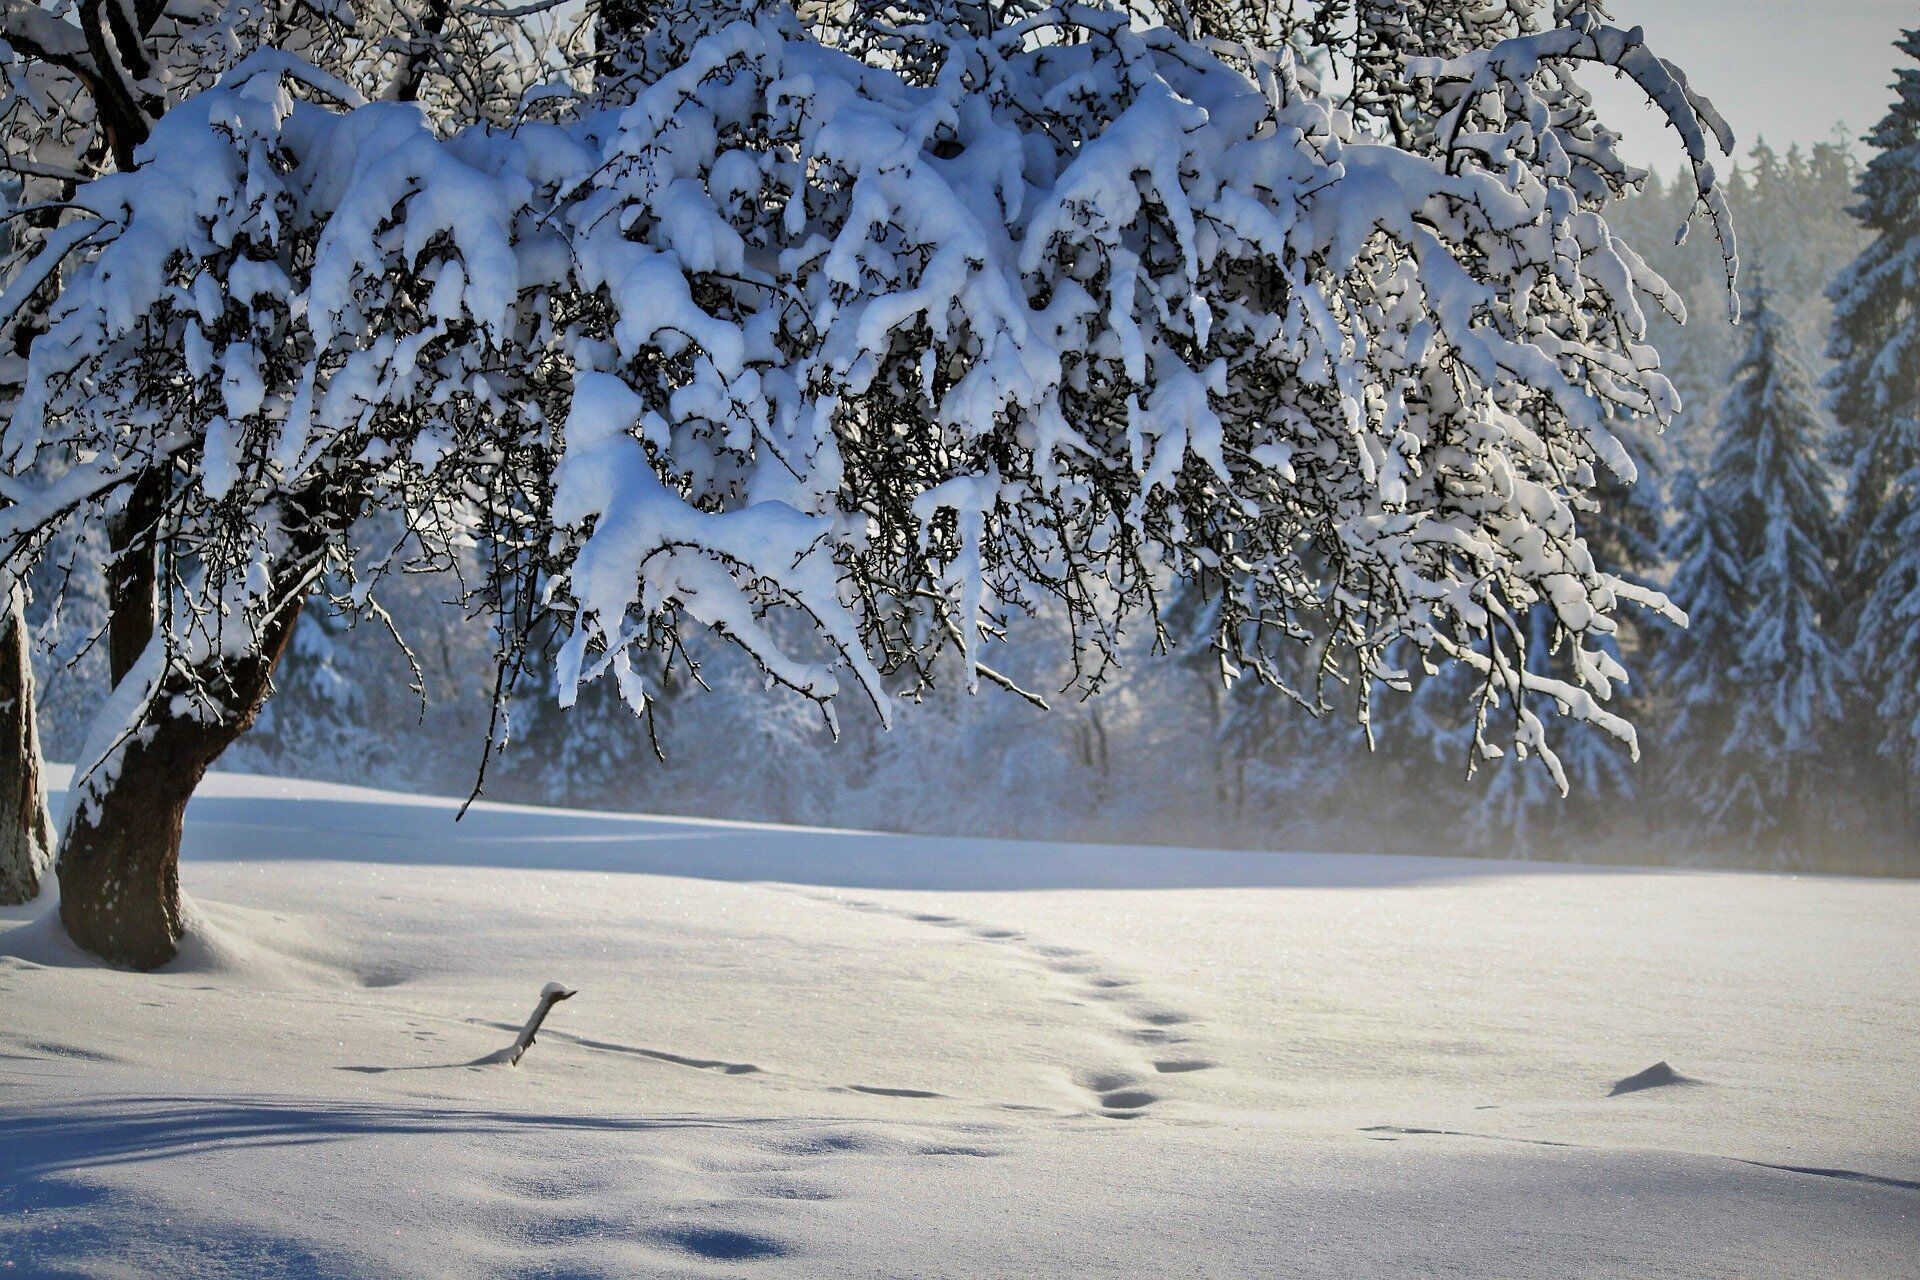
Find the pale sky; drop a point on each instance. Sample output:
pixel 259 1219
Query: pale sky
pixel 1785 70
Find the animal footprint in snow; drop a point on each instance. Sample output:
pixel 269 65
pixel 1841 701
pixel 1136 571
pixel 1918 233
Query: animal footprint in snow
pixel 1128 1099
pixel 716 1243
pixel 1117 1091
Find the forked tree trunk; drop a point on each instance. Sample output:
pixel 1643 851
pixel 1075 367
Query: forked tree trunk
pixel 120 858
pixel 26 829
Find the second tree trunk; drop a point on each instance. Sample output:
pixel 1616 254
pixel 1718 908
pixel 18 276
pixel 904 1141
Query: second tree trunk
pixel 26 830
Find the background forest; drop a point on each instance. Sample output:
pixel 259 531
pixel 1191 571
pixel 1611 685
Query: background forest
pixel 1769 731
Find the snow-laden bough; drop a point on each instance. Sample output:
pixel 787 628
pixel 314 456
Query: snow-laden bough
pixel 843 354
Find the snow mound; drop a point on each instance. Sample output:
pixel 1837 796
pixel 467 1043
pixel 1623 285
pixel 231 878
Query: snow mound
pixel 1657 1076
pixel 238 945
pixel 264 947
pixel 39 940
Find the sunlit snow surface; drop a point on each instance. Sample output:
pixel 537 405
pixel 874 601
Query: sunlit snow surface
pixel 805 1053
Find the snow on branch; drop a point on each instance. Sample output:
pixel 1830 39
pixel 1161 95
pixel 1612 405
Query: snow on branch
pixel 843 358
pixel 1511 73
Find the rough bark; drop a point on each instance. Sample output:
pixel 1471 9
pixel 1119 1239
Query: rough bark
pixel 120 859
pixel 26 829
pixel 133 576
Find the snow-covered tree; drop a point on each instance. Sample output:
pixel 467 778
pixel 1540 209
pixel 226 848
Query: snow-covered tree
pixel 318 715
pixel 1755 747
pixel 1791 208
pixel 1875 396
pixel 1885 648
pixel 26 826
pixel 83 85
pixel 1696 668
pixel 846 359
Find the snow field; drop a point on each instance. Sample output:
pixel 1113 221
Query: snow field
pixel 812 1053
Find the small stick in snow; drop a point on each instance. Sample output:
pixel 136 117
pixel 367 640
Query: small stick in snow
pixel 550 995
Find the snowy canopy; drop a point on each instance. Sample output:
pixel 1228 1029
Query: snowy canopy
pixel 844 361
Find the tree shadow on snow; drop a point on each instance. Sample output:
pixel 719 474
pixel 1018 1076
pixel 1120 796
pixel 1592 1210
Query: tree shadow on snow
pixel 55 1222
pixel 91 1133
pixel 55 1229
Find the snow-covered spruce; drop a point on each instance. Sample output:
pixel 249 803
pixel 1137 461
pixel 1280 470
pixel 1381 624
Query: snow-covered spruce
pixel 1698 667
pixel 845 364
pixel 1762 682
pixel 1875 394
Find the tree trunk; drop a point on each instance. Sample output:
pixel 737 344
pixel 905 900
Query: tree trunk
pixel 26 830
pixel 120 860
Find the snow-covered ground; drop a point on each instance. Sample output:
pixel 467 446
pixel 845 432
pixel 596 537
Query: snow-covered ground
pixel 811 1053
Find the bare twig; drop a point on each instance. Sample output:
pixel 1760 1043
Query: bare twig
pixel 550 995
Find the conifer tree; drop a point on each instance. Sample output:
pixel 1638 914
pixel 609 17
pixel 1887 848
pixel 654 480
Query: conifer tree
pixel 1875 396
pixel 1694 668
pixel 1757 756
pixel 1791 208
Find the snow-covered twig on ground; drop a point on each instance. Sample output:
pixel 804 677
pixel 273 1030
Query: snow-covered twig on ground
pixel 550 995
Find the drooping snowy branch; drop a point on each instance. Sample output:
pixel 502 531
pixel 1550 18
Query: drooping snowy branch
pixel 1483 95
pixel 845 363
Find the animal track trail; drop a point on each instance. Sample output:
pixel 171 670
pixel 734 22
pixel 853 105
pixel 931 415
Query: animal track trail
pixel 1152 1039
pixel 1138 1024
pixel 1142 1019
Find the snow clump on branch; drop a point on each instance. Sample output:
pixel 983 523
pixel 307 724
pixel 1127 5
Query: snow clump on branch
pixel 846 357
